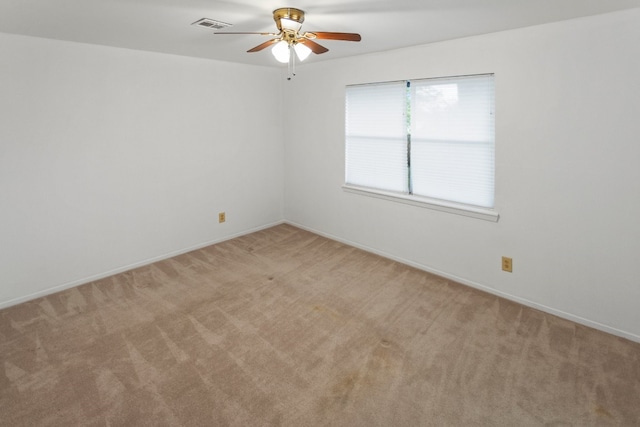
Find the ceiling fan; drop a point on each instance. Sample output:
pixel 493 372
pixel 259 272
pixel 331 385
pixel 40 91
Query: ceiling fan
pixel 290 39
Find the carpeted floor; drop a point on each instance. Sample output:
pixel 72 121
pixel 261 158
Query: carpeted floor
pixel 283 327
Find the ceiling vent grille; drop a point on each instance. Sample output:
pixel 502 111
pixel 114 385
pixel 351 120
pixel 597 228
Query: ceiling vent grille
pixel 211 23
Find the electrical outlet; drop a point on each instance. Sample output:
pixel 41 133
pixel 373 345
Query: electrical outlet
pixel 222 217
pixel 507 264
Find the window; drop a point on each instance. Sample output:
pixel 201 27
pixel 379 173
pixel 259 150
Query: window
pixel 429 141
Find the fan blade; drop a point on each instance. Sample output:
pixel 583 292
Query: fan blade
pixel 315 47
pixel 263 45
pixel 350 37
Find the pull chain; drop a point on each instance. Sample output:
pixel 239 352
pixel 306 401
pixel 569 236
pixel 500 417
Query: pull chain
pixel 291 66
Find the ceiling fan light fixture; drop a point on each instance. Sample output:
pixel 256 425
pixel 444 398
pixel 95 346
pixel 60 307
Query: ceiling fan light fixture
pixel 302 51
pixel 281 51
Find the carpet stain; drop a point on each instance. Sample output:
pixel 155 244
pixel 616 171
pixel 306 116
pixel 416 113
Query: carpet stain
pixel 327 311
pixel 344 388
pixel 602 411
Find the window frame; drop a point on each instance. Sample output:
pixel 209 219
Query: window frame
pixel 468 210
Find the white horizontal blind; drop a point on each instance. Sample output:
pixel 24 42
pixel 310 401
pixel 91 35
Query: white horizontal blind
pixel 376 136
pixel 452 139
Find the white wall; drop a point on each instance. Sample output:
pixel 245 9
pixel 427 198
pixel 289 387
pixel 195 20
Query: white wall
pixel 567 167
pixel 111 158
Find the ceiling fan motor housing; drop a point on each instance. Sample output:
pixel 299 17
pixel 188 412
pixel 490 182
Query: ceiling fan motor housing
pixel 291 13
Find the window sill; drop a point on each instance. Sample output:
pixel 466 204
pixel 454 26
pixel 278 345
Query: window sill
pixel 424 202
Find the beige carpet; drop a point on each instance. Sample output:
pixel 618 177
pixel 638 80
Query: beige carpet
pixel 283 327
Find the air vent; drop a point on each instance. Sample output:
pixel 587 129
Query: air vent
pixel 211 23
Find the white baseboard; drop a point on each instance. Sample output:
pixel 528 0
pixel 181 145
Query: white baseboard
pixel 562 314
pixel 82 281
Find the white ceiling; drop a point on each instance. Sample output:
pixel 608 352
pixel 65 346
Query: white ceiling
pixel 164 25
